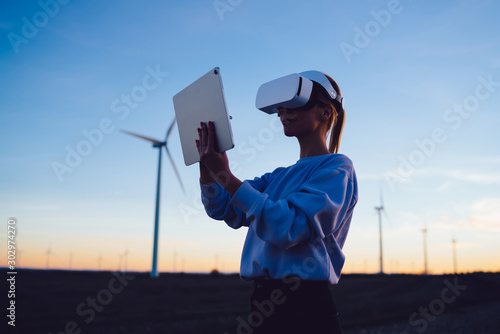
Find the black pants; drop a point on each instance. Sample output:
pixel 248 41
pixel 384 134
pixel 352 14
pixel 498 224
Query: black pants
pixel 286 306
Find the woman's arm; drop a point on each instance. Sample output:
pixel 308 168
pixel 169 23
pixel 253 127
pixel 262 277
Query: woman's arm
pixel 217 182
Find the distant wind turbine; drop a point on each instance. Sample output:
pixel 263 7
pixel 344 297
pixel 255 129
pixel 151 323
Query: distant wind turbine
pixel 424 231
pixel 125 257
pixel 48 253
pixel 454 248
pixel 99 261
pixel 159 144
pixel 120 257
pixel 379 210
pixel 71 254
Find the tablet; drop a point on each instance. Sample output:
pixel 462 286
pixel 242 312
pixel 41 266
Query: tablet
pixel 202 101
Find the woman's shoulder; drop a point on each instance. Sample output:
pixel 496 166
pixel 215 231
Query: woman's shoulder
pixel 331 162
pixel 334 160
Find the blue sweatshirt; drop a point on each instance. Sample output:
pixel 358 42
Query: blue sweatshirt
pixel 297 218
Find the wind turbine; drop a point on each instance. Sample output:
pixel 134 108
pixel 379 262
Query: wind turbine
pixel 99 261
pixel 71 254
pixel 454 248
pixel 120 257
pixel 48 253
pixel 379 210
pixel 125 258
pixel 159 144
pixel 424 231
pixel 175 262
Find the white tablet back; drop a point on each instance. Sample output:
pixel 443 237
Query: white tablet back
pixel 202 101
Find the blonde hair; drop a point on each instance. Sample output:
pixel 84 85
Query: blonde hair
pixel 335 123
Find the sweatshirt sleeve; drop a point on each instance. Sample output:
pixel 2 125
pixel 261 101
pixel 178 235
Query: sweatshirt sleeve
pixel 217 202
pixel 316 210
pixel 217 205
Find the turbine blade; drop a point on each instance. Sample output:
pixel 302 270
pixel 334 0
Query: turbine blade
pixel 381 198
pixel 175 170
pixel 382 207
pixel 154 141
pixel 170 129
pixel 387 217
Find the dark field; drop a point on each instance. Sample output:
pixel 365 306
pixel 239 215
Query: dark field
pixel 90 302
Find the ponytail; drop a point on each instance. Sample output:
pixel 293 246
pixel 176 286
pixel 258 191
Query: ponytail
pixel 336 121
pixel 336 132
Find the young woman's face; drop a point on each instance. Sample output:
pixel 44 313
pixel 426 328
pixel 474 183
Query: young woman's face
pixel 299 122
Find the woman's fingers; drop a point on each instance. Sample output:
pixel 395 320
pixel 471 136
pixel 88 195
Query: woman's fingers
pixel 206 139
pixel 198 141
pixel 215 165
pixel 203 134
pixel 210 137
pixel 201 142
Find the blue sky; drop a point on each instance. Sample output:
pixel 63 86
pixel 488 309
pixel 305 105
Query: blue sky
pixel 422 88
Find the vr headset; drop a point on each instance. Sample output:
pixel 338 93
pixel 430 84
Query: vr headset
pixel 293 91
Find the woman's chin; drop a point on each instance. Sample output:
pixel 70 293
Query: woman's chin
pixel 288 130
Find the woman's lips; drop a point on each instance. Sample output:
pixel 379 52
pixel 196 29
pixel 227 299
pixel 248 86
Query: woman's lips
pixel 287 121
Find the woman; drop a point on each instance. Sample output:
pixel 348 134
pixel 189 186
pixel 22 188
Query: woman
pixel 297 217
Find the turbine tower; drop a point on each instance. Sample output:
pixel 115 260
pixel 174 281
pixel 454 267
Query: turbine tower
pixel 125 258
pixel 48 253
pixel 454 247
pixel 99 261
pixel 379 210
pixel 159 144
pixel 71 254
pixel 424 231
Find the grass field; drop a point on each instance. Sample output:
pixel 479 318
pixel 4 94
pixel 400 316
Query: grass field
pixel 105 302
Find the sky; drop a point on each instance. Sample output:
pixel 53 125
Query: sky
pixel 421 83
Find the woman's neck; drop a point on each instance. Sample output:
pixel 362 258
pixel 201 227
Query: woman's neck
pixel 312 146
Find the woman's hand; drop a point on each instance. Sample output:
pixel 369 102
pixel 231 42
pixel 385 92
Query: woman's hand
pixel 214 166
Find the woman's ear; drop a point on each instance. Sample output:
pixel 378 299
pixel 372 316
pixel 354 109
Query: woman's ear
pixel 327 113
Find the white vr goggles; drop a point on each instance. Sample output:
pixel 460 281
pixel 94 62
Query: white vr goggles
pixel 293 91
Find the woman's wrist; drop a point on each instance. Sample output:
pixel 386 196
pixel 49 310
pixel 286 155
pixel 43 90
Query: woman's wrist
pixel 233 185
pixel 205 175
